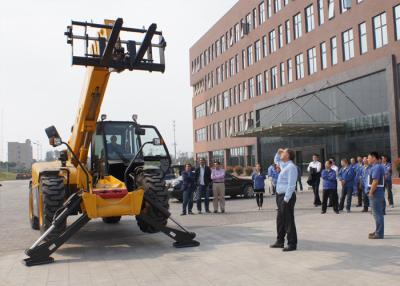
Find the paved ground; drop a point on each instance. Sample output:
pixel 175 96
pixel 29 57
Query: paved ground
pixel 333 249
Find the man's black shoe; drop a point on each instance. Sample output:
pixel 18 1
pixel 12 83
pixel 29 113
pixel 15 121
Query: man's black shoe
pixel 207 211
pixel 365 210
pixel 191 213
pixel 323 212
pixel 337 212
pixel 289 248
pixel 276 245
pixel 183 213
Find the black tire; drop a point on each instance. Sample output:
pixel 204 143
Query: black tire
pixel 33 220
pixel 111 219
pixel 248 192
pixel 53 190
pixel 153 182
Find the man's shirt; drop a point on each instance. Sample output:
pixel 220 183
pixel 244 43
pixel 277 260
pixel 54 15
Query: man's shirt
pixel 218 176
pixel 347 174
pixel 377 173
pixel 201 178
pixel 314 165
pixel 329 179
pixel 287 178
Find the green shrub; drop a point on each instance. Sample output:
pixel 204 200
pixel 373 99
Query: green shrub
pixel 238 170
pixel 229 170
pixel 248 170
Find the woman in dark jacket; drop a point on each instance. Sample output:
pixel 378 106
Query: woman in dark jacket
pixel 188 187
pixel 258 178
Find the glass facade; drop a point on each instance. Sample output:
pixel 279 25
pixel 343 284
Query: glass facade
pixel 361 105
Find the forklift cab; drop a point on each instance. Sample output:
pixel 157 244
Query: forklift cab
pixel 116 143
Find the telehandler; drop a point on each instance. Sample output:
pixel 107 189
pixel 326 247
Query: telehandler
pixel 128 160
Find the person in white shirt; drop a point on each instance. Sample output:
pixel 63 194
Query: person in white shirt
pixel 314 168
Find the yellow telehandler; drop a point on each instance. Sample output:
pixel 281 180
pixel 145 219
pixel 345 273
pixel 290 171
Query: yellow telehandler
pixel 128 160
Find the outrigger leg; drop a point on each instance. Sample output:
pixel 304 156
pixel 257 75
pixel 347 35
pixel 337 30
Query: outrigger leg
pixel 39 253
pixel 183 238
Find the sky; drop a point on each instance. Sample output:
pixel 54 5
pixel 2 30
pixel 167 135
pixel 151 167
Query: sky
pixel 39 87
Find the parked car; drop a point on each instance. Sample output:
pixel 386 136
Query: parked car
pixel 234 186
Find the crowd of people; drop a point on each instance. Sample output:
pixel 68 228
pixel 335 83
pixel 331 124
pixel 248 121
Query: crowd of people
pixel 367 178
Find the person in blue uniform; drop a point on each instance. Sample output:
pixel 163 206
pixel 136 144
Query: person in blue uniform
pixel 364 183
pixel 346 177
pixel 273 173
pixel 376 183
pixel 329 186
pixel 258 178
pixel 359 167
pixel 388 179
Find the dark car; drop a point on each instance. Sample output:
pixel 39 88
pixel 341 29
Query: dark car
pixel 234 186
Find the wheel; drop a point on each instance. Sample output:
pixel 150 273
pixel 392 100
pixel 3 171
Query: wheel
pixel 112 219
pixel 53 196
pixel 153 182
pixel 33 220
pixel 248 192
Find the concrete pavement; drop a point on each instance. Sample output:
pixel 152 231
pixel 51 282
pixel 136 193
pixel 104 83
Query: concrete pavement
pixel 333 249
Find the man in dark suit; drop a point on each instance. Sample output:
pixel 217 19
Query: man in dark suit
pixel 203 180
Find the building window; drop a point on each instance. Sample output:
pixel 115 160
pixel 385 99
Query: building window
pixel 265 49
pixel 397 21
pixel 243 59
pixel 261 13
pixel 266 80
pixel 249 23
pixel 331 9
pixel 285 2
pixel 283 76
pixel 380 31
pixel 259 84
pixel 277 5
pixel 251 88
pixel 200 110
pixel 274 77
pixel 254 18
pixel 290 70
pixel 269 8
pixel 359 1
pixel 310 25
pixel 201 135
pixel 362 29
pixel 334 51
pixel 257 47
pixel 288 32
pixel 223 44
pixel 244 86
pixel 226 99
pixel 249 55
pixel 299 66
pixel 236 64
pixel 324 63
pixel 231 67
pixel 312 60
pixel 297 26
pixel 343 6
pixel 348 44
pixel 237 33
pixel 321 16
pixel 272 42
pixel 280 35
